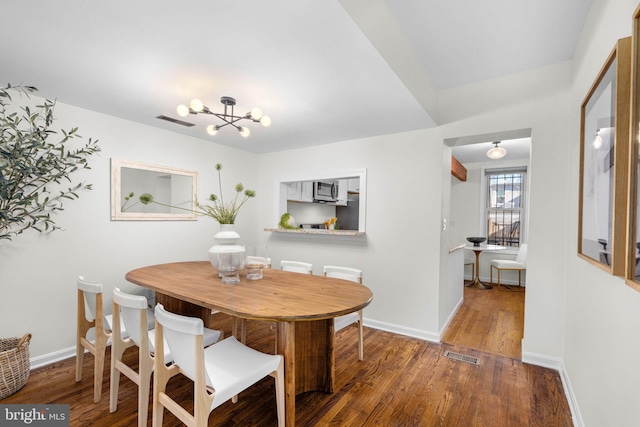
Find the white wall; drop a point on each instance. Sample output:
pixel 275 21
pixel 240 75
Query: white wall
pixel 577 317
pixel 38 272
pixel 400 254
pixel 537 99
pixel 465 206
pixel 602 313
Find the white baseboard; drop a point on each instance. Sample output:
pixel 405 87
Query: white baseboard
pixel 402 330
pixel 450 319
pixel 558 365
pixel 56 356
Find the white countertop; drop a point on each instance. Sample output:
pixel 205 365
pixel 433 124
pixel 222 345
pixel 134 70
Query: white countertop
pixel 317 231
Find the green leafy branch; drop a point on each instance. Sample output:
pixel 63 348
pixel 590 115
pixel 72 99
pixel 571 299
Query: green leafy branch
pixel 30 164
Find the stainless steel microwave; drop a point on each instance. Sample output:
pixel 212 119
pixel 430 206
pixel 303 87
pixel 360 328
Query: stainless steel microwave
pixel 325 191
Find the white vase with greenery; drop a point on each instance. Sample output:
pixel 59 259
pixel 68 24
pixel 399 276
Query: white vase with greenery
pixel 226 255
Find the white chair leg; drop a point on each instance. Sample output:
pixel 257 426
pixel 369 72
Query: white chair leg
pixel 280 403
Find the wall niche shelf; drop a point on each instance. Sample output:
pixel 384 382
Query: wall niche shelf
pixel 313 231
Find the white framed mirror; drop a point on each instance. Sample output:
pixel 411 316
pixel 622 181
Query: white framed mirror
pixel 174 192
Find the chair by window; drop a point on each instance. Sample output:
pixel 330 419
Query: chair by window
pixel 519 264
pixel 296 267
pixel 219 372
pixel 90 314
pixel 341 322
pixel 472 262
pixel 134 312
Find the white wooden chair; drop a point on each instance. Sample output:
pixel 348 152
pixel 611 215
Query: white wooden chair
pixel 132 310
pixel 296 267
pixel 219 372
pixel 341 322
pixel 519 264
pixel 472 262
pixel 90 314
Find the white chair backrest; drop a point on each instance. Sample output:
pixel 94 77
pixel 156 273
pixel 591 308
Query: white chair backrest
pixel 345 273
pixel 89 289
pixel 179 334
pixel 131 308
pixel 522 254
pixel 296 267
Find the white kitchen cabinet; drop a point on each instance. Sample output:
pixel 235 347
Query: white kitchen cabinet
pixel 353 185
pixel 306 194
pixel 342 192
pixel 300 191
pixel 294 191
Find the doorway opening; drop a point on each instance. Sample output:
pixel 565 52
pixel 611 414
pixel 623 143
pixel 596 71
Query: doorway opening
pixel 489 320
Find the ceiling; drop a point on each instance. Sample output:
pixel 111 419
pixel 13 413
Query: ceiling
pixel 323 71
pixel 517 149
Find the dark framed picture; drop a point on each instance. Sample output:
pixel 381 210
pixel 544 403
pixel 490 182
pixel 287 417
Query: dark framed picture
pixel 604 153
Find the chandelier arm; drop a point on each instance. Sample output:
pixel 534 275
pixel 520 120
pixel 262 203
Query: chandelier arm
pixel 228 119
pixel 228 123
pixel 222 116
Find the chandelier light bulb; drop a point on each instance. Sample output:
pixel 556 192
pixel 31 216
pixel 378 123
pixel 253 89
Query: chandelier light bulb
pixel 197 105
pixel 244 131
pixel 182 110
pixel 212 130
pixel 256 113
pixel 227 117
pixel 496 152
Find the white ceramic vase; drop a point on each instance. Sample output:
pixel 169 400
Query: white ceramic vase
pixel 226 256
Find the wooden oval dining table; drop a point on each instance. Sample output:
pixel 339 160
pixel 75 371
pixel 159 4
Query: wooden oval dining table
pixel 303 306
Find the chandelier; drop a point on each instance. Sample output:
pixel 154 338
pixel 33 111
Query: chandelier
pixel 496 152
pixel 197 107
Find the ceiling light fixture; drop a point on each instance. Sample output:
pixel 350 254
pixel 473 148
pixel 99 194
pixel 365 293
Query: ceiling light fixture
pixel 197 107
pixel 597 141
pixel 496 152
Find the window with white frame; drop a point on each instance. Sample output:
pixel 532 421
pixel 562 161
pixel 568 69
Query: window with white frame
pixel 505 205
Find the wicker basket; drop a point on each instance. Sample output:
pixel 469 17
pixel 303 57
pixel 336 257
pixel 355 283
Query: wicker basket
pixel 14 364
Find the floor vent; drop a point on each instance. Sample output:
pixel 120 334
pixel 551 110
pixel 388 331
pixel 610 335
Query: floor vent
pixel 176 121
pixel 461 357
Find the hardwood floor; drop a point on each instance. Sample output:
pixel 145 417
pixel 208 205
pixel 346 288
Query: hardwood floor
pixel 402 381
pixel 490 320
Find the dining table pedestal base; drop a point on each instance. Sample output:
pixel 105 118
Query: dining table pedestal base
pixel 307 347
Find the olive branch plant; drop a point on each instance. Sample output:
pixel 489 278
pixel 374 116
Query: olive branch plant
pixel 32 167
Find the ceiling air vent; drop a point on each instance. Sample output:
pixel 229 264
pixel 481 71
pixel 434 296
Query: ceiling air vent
pixel 176 121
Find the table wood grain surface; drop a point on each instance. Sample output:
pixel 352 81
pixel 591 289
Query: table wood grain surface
pixel 304 306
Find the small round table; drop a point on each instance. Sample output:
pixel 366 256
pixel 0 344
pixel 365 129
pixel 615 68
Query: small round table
pixel 476 283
